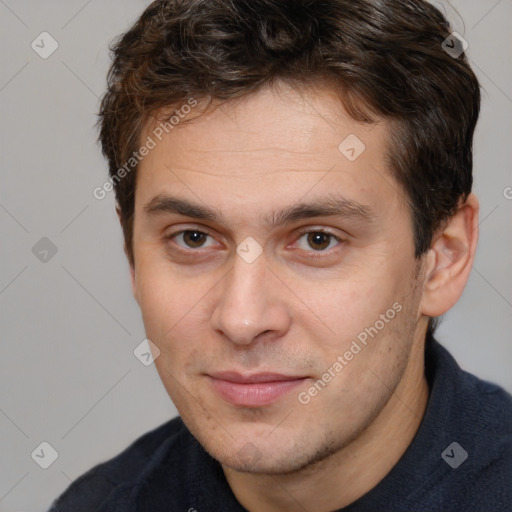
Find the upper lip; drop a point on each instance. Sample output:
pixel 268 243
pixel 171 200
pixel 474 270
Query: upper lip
pixel 253 378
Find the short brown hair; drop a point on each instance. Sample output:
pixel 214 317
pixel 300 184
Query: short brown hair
pixel 386 57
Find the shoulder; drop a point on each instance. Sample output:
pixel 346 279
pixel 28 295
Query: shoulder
pixel 489 420
pixel 484 408
pixel 90 490
pixel 487 473
pixel 474 423
pixel 479 404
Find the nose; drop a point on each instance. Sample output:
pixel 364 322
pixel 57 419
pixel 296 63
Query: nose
pixel 252 304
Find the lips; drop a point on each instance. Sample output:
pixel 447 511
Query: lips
pixel 256 390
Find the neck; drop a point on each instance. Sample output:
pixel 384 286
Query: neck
pixel 350 473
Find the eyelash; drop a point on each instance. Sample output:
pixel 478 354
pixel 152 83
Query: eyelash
pixel 312 253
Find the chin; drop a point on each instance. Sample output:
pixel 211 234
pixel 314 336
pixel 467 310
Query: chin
pixel 251 460
pixel 282 455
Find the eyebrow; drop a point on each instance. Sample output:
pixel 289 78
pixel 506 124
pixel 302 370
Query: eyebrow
pixel 326 206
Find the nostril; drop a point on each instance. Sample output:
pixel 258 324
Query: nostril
pixel 262 334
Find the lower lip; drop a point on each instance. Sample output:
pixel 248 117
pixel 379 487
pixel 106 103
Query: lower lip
pixel 254 395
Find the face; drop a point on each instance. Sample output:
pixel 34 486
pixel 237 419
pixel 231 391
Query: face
pixel 275 272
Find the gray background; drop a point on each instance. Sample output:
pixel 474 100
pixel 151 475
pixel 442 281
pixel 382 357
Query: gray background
pixel 69 325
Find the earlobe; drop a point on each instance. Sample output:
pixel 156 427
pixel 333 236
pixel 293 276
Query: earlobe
pixel 450 259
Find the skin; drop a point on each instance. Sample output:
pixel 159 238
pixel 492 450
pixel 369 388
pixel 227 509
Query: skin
pixel 300 304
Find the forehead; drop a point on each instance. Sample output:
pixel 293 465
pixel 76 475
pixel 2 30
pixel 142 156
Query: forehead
pixel 269 150
pixel 279 118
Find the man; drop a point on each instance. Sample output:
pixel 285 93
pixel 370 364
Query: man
pixel 293 180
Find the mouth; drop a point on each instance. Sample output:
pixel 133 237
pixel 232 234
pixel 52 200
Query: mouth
pixel 256 390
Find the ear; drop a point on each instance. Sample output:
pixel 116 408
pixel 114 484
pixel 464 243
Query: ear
pixel 450 259
pixel 132 269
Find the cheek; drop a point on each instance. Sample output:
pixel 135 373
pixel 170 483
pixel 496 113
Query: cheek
pixel 370 332
pixel 162 297
pixel 171 309
pixel 361 389
pixel 348 309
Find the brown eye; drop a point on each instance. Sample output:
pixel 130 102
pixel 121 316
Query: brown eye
pixel 190 239
pixel 319 240
pixel 194 238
